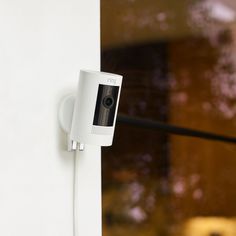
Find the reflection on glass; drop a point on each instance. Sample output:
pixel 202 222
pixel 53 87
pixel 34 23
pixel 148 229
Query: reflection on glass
pixel 135 183
pixel 179 66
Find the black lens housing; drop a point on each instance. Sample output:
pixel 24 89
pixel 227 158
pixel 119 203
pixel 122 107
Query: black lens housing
pixel 108 102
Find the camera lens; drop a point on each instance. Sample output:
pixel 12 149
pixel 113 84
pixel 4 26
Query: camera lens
pixel 108 102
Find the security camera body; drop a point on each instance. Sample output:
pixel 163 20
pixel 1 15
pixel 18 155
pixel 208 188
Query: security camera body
pixel 95 108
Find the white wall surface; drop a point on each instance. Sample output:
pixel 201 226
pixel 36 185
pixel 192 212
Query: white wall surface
pixel 43 43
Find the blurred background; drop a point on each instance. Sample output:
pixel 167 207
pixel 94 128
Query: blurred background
pixel 178 59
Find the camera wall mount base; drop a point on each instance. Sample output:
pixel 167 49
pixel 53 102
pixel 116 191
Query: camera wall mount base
pixel 65 115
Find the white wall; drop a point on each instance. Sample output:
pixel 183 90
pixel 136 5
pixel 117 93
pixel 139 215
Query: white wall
pixel 43 43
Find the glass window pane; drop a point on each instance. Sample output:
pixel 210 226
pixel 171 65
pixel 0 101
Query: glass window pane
pixel 184 50
pixel 154 184
pixel 178 61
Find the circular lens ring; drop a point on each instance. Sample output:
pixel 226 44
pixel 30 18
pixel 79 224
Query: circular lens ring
pixel 108 102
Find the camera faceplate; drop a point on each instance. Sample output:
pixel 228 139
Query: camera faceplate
pixel 106 105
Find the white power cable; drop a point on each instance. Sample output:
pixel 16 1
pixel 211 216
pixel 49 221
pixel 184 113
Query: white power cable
pixel 87 210
pixel 75 194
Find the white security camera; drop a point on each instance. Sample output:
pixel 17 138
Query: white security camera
pixel 89 116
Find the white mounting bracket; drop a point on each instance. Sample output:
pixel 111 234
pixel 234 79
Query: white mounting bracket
pixel 65 116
